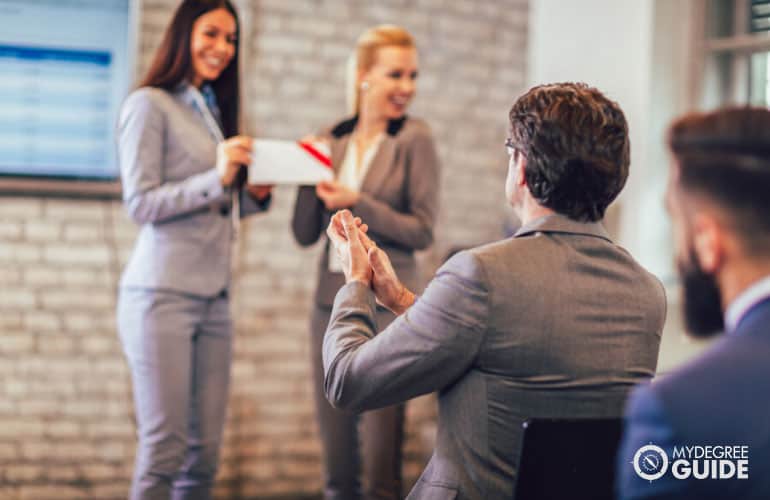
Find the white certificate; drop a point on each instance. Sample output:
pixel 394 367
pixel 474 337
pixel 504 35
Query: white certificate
pixel 289 162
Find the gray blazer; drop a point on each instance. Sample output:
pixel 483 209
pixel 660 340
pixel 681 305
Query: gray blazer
pixel 554 322
pixel 399 200
pixel 171 187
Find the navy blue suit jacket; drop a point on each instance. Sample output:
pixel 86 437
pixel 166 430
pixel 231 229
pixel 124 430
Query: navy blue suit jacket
pixel 722 398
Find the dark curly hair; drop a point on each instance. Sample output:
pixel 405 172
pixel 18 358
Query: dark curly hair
pixel 577 148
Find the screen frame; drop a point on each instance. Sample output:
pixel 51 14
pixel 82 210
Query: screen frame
pixel 33 185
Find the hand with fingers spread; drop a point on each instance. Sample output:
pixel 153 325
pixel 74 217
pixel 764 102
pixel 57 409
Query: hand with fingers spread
pixel 231 155
pixel 345 233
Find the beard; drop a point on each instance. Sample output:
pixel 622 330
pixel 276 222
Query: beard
pixel 702 300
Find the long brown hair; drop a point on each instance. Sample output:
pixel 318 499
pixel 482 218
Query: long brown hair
pixel 173 62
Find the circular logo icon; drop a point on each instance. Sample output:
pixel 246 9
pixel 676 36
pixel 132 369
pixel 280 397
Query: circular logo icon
pixel 650 462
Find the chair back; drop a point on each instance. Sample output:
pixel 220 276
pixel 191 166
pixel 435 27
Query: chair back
pixel 568 458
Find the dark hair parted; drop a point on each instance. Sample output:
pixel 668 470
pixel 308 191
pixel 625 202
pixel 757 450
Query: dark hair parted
pixel 577 148
pixel 724 156
pixel 172 63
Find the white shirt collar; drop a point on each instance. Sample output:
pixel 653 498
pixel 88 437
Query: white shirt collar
pixel 350 173
pixel 745 301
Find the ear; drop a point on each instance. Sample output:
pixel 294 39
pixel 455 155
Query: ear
pixel 709 242
pixel 361 75
pixel 521 166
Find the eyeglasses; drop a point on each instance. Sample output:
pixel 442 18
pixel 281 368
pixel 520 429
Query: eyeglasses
pixel 510 147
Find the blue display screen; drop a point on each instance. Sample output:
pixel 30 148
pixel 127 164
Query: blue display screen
pixel 63 73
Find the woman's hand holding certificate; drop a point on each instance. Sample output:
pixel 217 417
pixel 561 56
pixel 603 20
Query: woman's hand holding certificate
pixel 289 162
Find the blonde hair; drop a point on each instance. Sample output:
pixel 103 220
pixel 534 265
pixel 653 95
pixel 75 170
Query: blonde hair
pixel 365 55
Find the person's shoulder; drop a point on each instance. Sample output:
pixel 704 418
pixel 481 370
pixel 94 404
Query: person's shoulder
pixel 513 253
pixel 465 263
pixel 631 261
pixel 728 357
pixel 714 375
pixel 414 125
pixel 481 260
pixel 415 129
pixel 144 106
pixel 147 98
pixel 152 95
pixel 647 283
pixel 724 383
pixel 654 291
pixel 493 248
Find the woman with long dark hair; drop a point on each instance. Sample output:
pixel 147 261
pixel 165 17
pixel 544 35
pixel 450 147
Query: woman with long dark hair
pixel 386 172
pixel 182 164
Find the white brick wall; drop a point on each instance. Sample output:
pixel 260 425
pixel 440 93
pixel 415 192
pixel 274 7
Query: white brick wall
pixel 66 417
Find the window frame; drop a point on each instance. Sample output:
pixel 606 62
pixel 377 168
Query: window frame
pixel 723 68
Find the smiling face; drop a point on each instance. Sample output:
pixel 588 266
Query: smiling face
pixel 389 85
pixel 212 45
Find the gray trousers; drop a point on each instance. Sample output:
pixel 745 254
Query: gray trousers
pixel 179 350
pixel 380 433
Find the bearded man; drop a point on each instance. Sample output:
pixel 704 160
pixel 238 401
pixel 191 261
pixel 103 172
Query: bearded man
pixel 719 200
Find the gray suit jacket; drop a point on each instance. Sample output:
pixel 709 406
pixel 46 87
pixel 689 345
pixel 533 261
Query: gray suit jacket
pixel 554 322
pixel 399 200
pixel 171 187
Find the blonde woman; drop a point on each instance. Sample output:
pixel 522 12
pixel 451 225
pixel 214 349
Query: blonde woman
pixel 386 172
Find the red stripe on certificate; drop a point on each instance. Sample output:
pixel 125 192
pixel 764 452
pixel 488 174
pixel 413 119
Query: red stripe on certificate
pixel 325 160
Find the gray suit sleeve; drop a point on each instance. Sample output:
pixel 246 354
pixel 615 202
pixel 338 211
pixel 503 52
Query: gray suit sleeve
pixel 148 197
pixel 425 349
pixel 412 229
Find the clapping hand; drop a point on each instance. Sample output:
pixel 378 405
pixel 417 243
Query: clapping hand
pixel 363 261
pixel 345 233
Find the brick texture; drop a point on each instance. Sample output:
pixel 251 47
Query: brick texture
pixel 66 415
